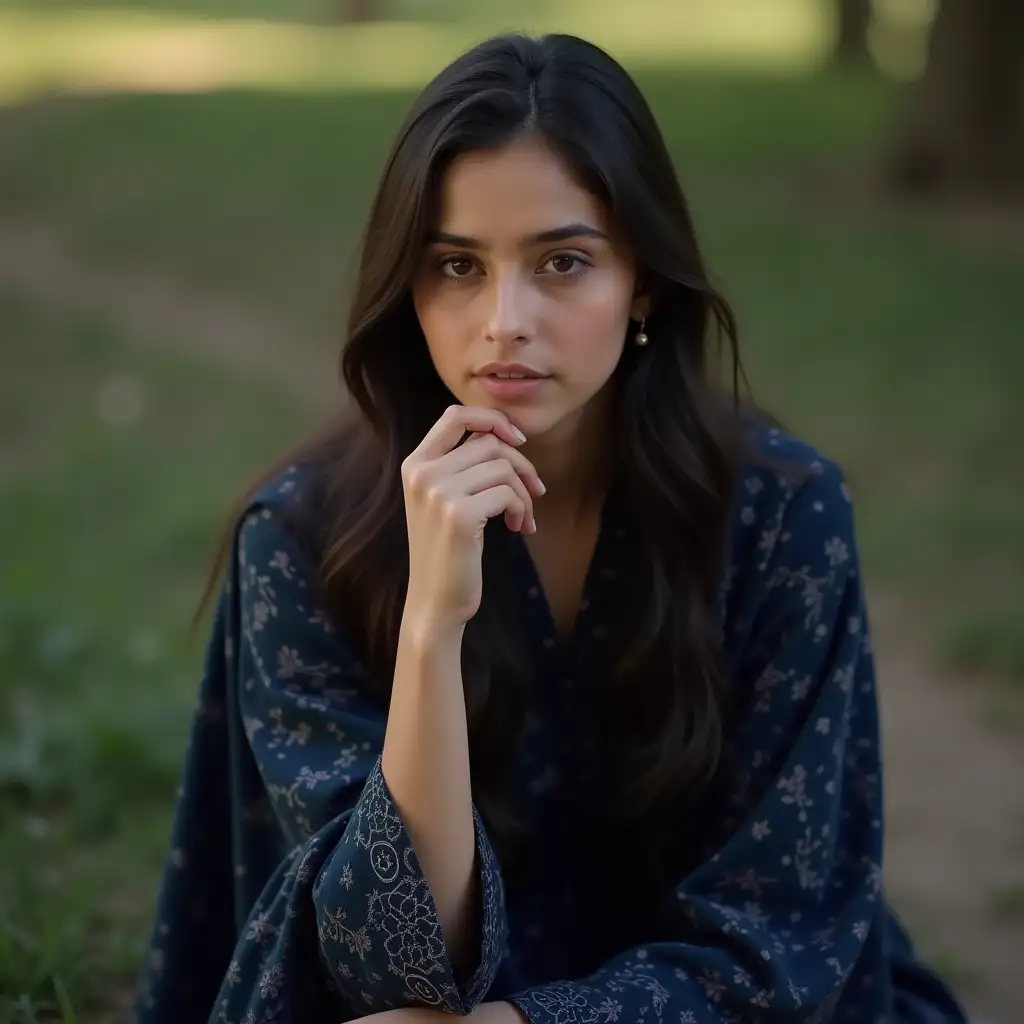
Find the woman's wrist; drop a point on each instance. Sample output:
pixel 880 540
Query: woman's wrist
pixel 426 635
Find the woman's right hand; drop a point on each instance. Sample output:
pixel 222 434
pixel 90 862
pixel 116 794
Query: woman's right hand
pixel 451 491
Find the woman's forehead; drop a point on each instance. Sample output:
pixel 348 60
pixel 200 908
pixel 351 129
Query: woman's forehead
pixel 514 194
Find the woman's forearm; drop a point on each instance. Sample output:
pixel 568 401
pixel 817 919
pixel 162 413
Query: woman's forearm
pixel 426 766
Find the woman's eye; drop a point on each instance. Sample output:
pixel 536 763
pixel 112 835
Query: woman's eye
pixel 457 266
pixel 565 264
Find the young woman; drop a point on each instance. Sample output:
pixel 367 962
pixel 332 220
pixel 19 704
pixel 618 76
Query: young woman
pixel 541 687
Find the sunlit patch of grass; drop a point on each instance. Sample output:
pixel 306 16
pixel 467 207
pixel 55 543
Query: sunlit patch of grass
pixel 138 50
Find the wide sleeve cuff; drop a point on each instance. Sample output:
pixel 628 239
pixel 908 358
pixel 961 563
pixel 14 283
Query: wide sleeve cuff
pixel 378 924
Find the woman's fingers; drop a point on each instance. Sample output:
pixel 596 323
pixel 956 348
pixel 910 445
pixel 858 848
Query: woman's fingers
pixel 457 421
pixel 482 448
pixel 495 501
pixel 497 474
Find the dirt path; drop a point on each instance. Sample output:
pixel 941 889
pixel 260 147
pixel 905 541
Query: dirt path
pixel 955 811
pixel 955 799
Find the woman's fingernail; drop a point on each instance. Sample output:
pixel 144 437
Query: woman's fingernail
pixel 518 433
pixel 533 525
pixel 541 489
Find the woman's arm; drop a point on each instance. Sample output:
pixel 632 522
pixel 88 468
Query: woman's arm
pixel 349 907
pixel 451 491
pixel 426 766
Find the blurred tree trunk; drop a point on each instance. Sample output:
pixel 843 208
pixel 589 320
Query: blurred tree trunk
pixel 963 131
pixel 853 19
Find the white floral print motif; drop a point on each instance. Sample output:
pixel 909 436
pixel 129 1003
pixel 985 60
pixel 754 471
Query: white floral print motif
pixel 293 894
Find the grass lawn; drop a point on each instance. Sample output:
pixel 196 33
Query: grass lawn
pixel 887 343
pixel 116 463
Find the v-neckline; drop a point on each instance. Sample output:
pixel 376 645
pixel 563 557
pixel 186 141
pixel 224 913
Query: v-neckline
pixel 569 647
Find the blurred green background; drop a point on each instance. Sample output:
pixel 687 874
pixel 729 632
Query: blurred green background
pixel 181 185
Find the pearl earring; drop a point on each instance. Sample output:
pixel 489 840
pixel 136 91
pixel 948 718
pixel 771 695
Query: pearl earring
pixel 641 336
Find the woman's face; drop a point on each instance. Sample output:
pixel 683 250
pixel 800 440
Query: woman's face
pixel 523 292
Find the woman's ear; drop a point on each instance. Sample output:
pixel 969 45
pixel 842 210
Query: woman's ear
pixel 643 300
pixel 641 307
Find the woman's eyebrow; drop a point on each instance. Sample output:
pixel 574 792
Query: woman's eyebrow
pixel 577 229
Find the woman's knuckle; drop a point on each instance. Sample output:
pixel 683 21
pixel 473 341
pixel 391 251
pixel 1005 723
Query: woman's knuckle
pixel 414 475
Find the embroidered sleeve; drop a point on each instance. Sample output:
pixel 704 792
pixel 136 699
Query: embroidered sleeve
pixel 350 899
pixel 769 926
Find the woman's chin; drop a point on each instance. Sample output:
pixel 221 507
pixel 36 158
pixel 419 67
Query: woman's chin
pixel 536 419
pixel 533 423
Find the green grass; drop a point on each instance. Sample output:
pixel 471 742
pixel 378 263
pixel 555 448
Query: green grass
pixel 878 336
pixel 112 524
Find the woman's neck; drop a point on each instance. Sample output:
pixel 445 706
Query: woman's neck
pixel 574 460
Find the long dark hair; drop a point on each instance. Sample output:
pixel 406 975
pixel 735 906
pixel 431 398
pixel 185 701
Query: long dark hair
pixel 677 427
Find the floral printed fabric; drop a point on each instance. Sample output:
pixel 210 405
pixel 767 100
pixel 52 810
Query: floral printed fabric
pixel 293 894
